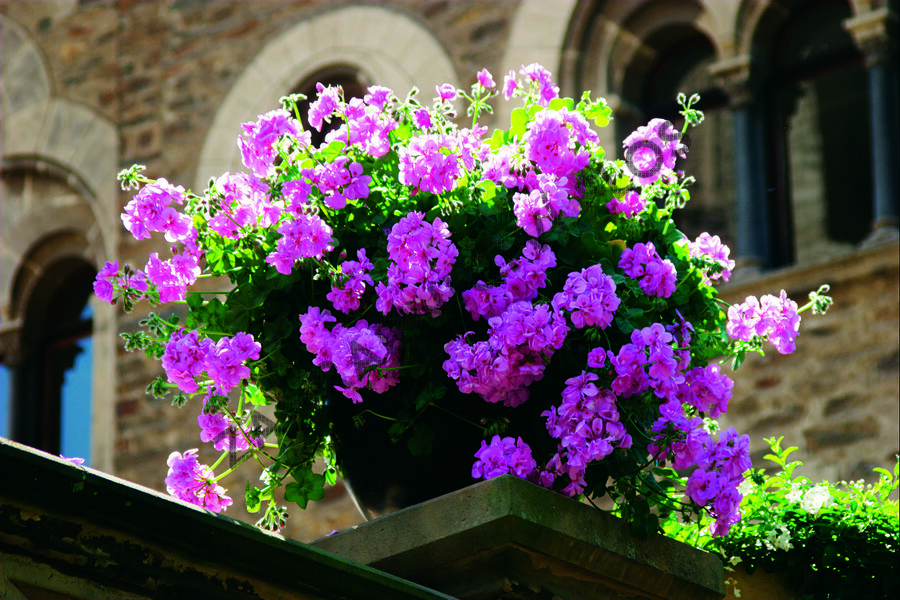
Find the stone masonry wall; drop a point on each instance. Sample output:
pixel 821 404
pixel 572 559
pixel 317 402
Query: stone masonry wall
pixel 836 397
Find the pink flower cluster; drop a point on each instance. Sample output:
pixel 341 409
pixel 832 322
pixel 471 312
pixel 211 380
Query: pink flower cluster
pixel 775 318
pixel 650 361
pixel 327 102
pixel 172 277
pixel 187 356
pixel 629 205
pixel 707 389
pixel 591 296
pixel 225 435
pixel 711 247
pixel 345 297
pixel 656 276
pixel 195 483
pixel 303 237
pixel 244 204
pixel 522 278
pixel 651 151
pixel 720 464
pixel 365 123
pixel 507 167
pixel 521 341
pixel 422 258
pixel 445 92
pixel 433 162
pixel 588 427
pixel 362 354
pixel 503 456
pixel 339 182
pixel 109 278
pixel 258 148
pixel 378 96
pixel 537 78
pixel 151 210
pixel 485 79
pixel 547 200
pixel 556 142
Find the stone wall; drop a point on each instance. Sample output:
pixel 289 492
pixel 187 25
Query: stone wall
pixel 836 397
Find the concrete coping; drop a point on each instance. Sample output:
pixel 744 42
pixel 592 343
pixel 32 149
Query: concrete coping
pixel 110 538
pixel 507 538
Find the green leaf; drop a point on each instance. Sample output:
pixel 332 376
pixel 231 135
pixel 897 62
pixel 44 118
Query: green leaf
pixel 307 486
pixel 401 133
pixel 332 150
pixel 558 103
pixel 252 498
pixel 518 123
pixel 431 392
pixel 331 476
pixel 255 395
pixel 497 140
pixel 422 440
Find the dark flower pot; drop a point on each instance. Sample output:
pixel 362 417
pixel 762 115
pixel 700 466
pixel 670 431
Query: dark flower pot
pixel 384 476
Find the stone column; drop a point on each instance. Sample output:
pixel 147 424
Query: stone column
pixel 874 33
pixel 752 227
pixel 11 354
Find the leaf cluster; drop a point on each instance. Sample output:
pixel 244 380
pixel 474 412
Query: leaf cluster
pixel 836 541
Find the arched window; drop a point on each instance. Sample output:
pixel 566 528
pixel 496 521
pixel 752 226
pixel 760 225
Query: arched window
pixel 50 388
pixel 819 136
pixel 677 59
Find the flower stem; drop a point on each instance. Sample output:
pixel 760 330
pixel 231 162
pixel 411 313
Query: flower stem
pixel 461 418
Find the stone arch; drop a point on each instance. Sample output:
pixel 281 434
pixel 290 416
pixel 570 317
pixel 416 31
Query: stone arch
pixel 388 47
pixel 536 35
pixel 610 47
pixel 71 149
pixel 48 130
pixel 757 21
pixel 24 64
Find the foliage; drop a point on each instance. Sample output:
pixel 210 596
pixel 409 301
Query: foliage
pixel 836 541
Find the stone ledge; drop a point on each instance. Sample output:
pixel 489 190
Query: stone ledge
pixel 96 536
pixel 799 279
pixel 507 538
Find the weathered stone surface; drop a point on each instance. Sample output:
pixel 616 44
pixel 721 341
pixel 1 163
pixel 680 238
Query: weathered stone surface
pixel 69 532
pixel 506 538
pixel 836 396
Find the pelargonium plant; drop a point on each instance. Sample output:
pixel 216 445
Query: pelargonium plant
pixel 519 275
pixel 824 540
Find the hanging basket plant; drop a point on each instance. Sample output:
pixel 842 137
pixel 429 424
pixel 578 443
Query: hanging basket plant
pixel 509 301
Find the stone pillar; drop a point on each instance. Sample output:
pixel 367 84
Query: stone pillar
pixel 11 357
pixel 874 33
pixel 752 222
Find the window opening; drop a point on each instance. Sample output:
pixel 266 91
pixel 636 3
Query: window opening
pixel 820 138
pixel 50 395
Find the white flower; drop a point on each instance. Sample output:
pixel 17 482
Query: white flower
pixel 746 487
pixel 815 499
pixel 794 495
pixel 781 541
